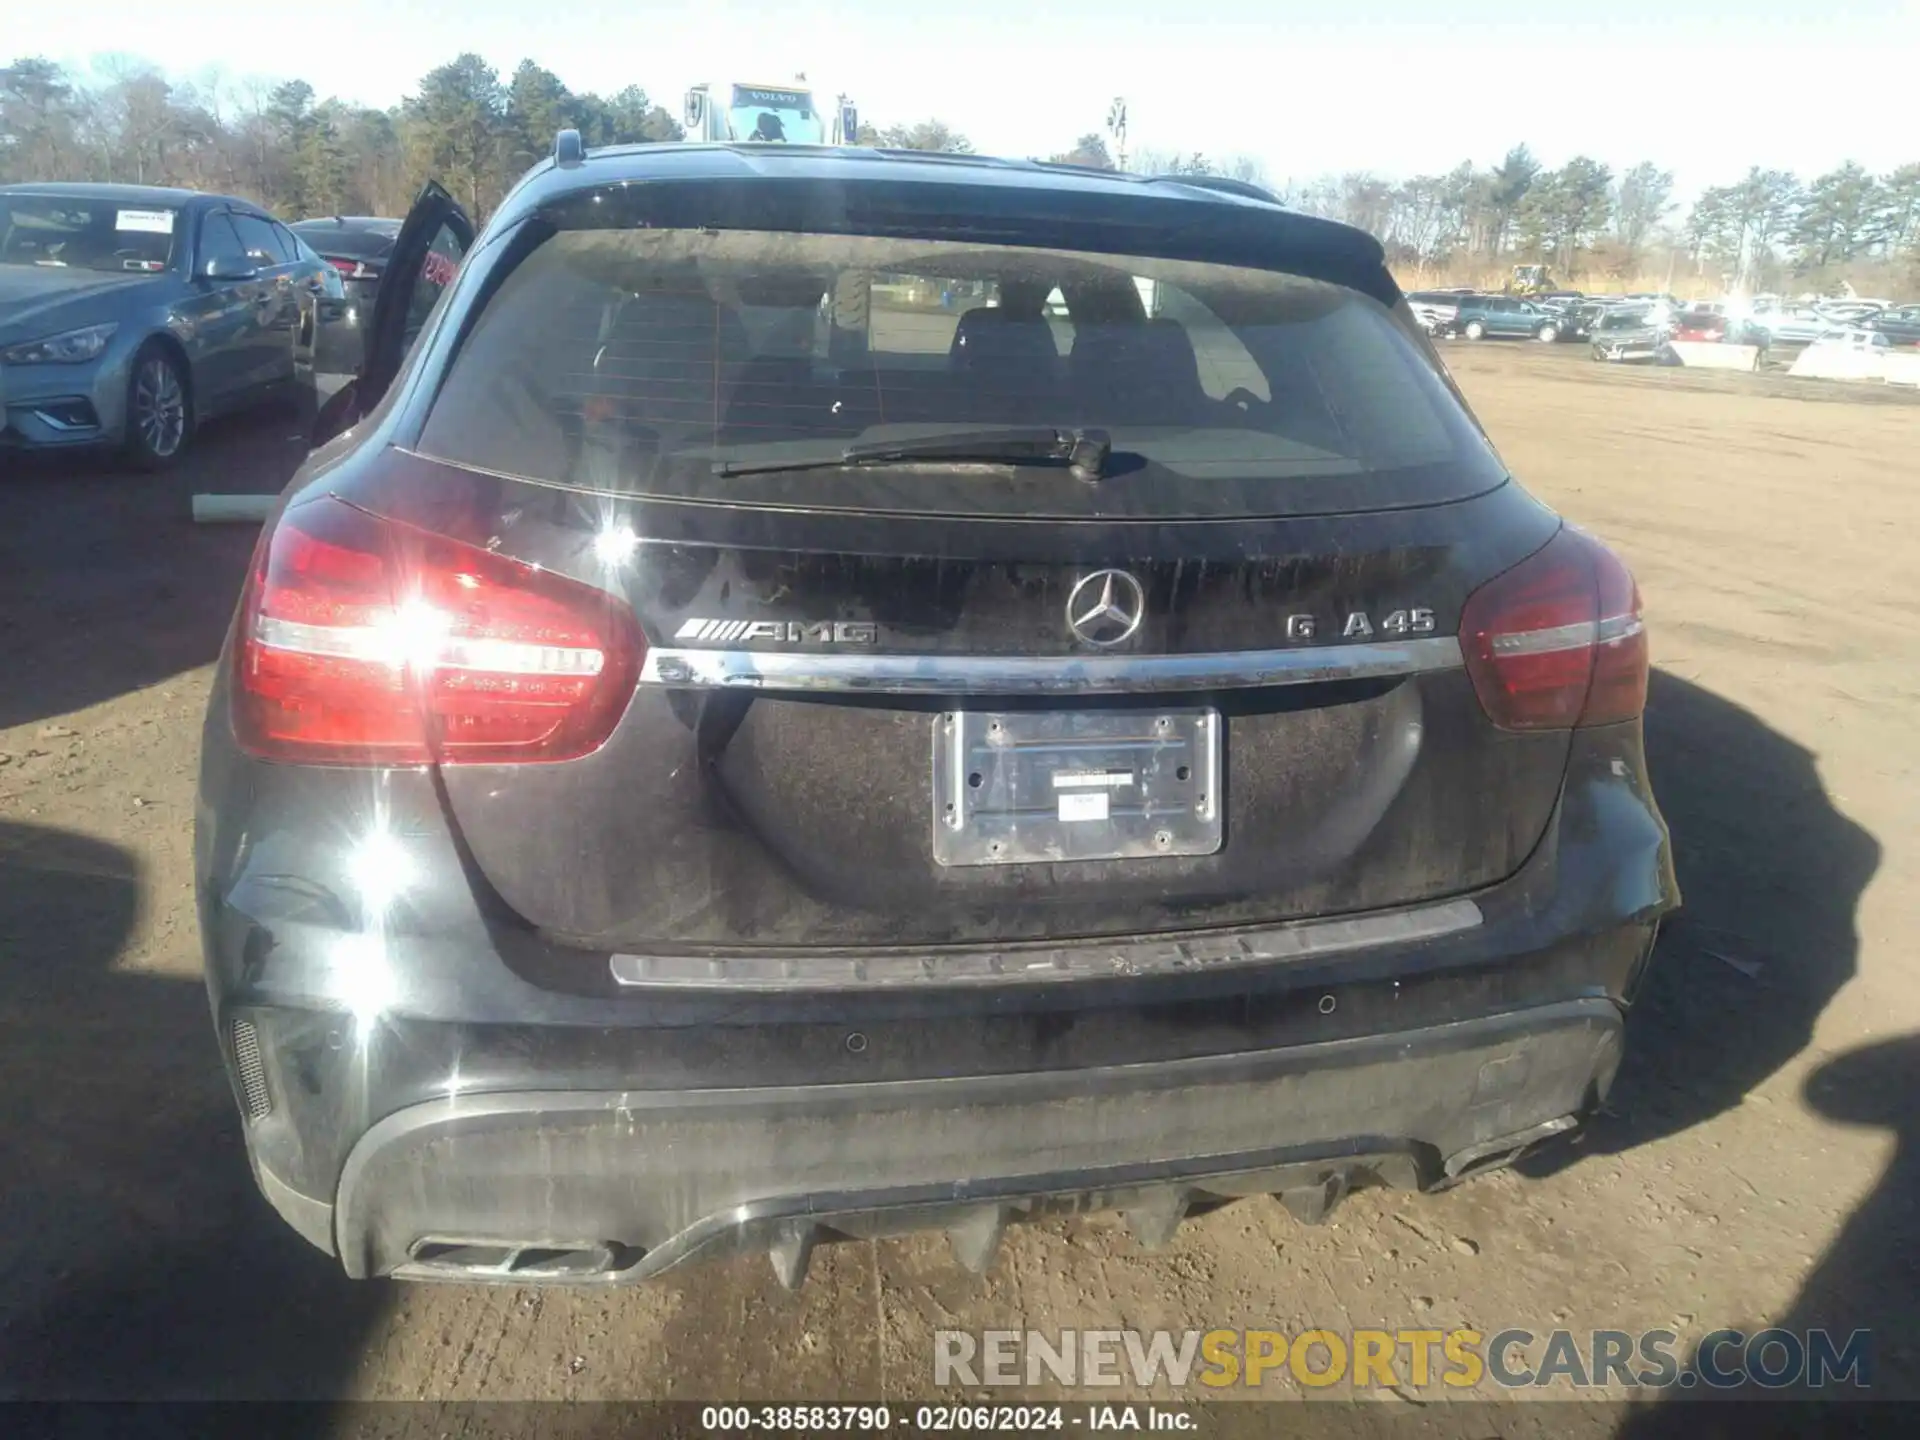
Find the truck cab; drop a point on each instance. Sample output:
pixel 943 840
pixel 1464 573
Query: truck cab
pixel 742 112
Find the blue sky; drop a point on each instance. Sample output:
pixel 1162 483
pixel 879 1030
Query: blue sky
pixel 1394 86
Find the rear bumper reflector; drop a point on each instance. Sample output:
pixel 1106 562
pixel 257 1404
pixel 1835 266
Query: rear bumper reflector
pixel 1026 965
pixel 253 1075
pixel 1045 674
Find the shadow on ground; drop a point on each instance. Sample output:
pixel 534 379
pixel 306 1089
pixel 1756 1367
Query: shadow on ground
pixel 136 1258
pixel 1870 1276
pixel 106 584
pixel 1869 1280
pixel 1771 875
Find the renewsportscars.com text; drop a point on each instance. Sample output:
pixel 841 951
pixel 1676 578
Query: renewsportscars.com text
pixel 1366 1359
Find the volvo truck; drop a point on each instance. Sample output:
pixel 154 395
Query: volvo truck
pixel 790 114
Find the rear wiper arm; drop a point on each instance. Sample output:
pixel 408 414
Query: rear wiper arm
pixel 1083 452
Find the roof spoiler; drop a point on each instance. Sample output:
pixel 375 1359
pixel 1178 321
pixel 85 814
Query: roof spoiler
pixel 1222 183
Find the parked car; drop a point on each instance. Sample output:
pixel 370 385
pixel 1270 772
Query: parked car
pixel 1481 316
pixel 1435 309
pixel 1849 312
pixel 1700 325
pixel 357 246
pixel 1789 325
pixel 129 314
pixel 1852 338
pixel 529 956
pixel 1577 320
pixel 1628 334
pixel 1900 324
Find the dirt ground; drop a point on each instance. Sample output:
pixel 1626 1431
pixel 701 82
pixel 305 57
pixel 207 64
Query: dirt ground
pixel 1758 1161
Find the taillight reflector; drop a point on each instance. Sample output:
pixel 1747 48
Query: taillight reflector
pixel 365 641
pixel 1558 640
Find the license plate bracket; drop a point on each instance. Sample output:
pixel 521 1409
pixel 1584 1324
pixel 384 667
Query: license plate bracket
pixel 1031 787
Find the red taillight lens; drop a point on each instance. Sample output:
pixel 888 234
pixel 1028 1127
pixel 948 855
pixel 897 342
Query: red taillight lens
pixel 1557 640
pixel 364 641
pixel 1620 659
pixel 354 269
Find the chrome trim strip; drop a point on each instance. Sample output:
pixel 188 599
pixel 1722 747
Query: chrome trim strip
pixel 1210 767
pixel 1577 636
pixel 1026 965
pixel 1045 675
pixel 48 418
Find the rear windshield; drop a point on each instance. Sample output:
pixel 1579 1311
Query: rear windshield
pixel 642 361
pixel 351 242
pixel 65 232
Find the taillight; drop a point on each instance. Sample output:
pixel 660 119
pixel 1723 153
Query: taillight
pixel 364 641
pixel 1557 640
pixel 354 269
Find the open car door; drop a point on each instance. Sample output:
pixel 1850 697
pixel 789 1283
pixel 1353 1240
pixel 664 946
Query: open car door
pixel 426 255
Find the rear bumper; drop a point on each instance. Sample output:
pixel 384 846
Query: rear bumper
pixel 447 1076
pixel 600 1187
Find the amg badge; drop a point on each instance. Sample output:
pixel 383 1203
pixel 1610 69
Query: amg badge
pixel 785 632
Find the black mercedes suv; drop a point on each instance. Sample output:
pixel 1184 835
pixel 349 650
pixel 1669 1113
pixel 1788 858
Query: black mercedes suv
pixel 836 691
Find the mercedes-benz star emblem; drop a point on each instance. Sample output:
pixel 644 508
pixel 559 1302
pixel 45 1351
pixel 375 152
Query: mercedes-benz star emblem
pixel 1106 607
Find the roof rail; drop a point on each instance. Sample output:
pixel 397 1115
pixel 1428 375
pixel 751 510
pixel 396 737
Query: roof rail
pixel 567 149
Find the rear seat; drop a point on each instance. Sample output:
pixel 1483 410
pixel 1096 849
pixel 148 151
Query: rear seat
pixel 665 362
pixel 1133 373
pixel 1011 367
pixel 776 397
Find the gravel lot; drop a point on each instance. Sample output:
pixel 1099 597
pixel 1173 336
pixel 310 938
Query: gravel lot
pixel 1759 1161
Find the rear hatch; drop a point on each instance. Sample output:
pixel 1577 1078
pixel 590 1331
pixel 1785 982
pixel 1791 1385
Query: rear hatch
pixel 971 691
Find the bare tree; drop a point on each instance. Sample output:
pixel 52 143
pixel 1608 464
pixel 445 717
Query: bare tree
pixel 39 115
pixel 1089 150
pixel 1247 168
pixel 934 135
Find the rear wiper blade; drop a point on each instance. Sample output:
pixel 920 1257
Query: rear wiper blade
pixel 1040 443
pixel 1083 452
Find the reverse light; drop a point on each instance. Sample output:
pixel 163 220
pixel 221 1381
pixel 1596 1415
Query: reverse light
pixel 1558 640
pixel 365 641
pixel 70 347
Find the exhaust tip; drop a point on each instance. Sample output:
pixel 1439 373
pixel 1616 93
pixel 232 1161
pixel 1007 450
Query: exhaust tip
pixel 442 1258
pixel 1501 1150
